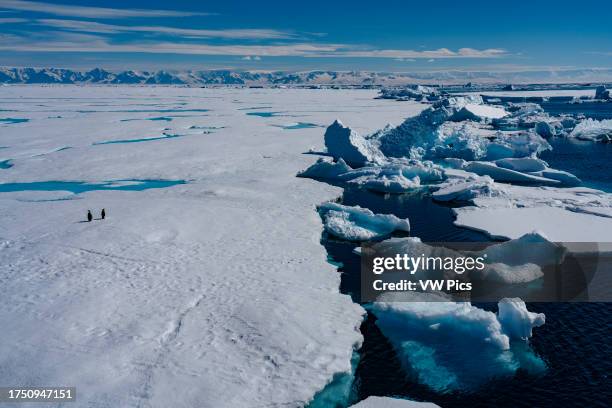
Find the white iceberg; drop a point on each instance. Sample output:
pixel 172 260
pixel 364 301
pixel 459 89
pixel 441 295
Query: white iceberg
pixel 517 322
pixel 418 132
pixel 468 189
pixel 523 164
pixel 398 177
pixel 387 402
pixel 478 112
pixel 438 341
pixel 359 224
pixel 507 175
pixel 593 130
pixel 356 150
pixel 326 169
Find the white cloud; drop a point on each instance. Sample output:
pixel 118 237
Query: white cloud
pixel 439 53
pixel 8 20
pixel 90 12
pixel 62 42
pixel 94 27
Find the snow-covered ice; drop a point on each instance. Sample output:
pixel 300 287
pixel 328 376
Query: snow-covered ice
pixel 516 320
pixel 213 293
pixel 593 130
pixel 359 224
pixel 387 402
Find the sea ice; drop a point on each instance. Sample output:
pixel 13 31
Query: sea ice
pixel 359 224
pixel 388 402
pixel 478 112
pixel 602 93
pixel 593 130
pixel 516 321
pixel 398 176
pixel 213 293
pixel 356 150
pixel 438 341
pixel 326 169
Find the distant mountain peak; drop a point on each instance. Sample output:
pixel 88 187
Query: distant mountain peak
pixel 29 75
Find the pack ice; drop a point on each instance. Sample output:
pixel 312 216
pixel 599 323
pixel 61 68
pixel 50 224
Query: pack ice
pixel 211 293
pixel 359 224
pixel 455 345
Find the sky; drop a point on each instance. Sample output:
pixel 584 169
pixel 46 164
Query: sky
pixel 401 36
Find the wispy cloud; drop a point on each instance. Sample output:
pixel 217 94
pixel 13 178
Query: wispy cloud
pixel 90 12
pixel 439 53
pixel 94 27
pixel 11 20
pixel 63 42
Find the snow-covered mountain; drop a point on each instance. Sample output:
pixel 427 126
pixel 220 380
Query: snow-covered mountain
pixel 10 75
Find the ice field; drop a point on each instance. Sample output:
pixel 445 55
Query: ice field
pixel 206 285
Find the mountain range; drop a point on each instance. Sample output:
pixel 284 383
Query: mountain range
pixel 10 75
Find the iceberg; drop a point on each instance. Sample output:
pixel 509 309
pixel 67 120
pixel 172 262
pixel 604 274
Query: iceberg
pixel 593 130
pixel 523 164
pixel 387 402
pixel 515 261
pixel 516 321
pixel 410 92
pixel 438 341
pixel 507 175
pixel 398 177
pixel 419 131
pixel 326 169
pixel 468 189
pixel 478 112
pixel 356 150
pixel 359 224
pixel 602 93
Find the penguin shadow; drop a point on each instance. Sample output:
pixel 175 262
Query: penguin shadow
pixel 85 221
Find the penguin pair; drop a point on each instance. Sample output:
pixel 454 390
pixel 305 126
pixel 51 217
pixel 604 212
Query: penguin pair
pixel 90 217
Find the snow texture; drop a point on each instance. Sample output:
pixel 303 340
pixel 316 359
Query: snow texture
pixel 212 293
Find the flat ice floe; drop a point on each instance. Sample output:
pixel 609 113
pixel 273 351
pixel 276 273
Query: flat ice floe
pixel 214 293
pixel 387 402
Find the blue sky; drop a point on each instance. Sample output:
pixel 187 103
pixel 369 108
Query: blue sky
pixel 304 35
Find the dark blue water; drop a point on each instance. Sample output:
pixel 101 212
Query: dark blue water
pixel 78 187
pixel 593 110
pixel 588 161
pixel 5 164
